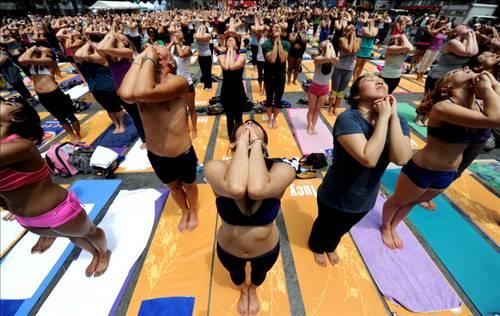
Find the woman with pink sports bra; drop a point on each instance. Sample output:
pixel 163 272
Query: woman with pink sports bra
pixel 27 190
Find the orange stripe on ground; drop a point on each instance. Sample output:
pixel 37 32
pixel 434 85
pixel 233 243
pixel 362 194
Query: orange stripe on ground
pixel 179 264
pixel 202 95
pixel 411 86
pixel 345 289
pixel 93 127
pixel 281 140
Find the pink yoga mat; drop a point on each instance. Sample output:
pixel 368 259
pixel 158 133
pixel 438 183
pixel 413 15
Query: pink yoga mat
pixel 310 143
pixel 405 276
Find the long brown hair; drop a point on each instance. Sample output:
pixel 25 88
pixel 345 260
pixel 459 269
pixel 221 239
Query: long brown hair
pixel 437 94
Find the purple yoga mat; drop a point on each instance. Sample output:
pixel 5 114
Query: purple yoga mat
pixel 310 143
pixel 160 202
pixel 408 276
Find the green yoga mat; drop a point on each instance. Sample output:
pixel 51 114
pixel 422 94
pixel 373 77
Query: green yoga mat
pixel 409 113
pixel 472 261
pixel 488 171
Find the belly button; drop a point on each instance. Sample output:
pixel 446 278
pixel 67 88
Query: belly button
pixel 246 254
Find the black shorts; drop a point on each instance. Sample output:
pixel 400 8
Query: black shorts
pixel 182 167
pixel 108 100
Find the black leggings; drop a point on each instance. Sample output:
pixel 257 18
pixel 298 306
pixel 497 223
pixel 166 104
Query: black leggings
pixel 133 111
pixel 108 100
pixel 275 87
pixel 59 105
pixel 392 83
pixel 254 49
pixel 260 70
pixel 206 70
pixel 329 227
pixel 470 153
pixel 260 265
pixel 20 87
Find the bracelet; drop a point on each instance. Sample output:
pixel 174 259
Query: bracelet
pixel 152 60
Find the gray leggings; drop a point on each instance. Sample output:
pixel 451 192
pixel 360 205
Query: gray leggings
pixel 340 79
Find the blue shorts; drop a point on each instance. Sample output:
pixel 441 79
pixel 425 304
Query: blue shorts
pixel 425 178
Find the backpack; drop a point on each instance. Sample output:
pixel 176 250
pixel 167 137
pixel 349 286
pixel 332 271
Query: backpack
pixel 57 158
pixel 215 109
pixel 314 160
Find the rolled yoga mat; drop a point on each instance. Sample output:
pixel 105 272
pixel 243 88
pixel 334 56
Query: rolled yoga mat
pixel 405 276
pixel 128 225
pixel 310 143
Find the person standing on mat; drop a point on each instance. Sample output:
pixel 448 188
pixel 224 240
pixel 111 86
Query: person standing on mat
pixel 28 192
pixel 119 52
pixel 397 49
pixel 455 121
pixel 151 83
pixel 275 51
pixel 365 48
pixel 43 70
pixel 367 137
pixel 298 43
pixel 233 97
pixel 202 40
pixel 11 74
pixel 320 86
pixel 248 189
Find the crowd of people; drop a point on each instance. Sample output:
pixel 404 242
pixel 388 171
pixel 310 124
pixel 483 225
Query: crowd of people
pixel 139 63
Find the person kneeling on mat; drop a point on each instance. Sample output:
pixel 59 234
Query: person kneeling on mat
pixel 455 122
pixel 151 83
pixel 248 190
pixel 54 212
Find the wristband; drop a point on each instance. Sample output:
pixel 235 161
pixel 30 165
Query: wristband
pixel 152 60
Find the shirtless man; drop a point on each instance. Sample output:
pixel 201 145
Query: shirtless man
pixel 151 83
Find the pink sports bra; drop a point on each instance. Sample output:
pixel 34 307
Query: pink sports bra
pixel 11 179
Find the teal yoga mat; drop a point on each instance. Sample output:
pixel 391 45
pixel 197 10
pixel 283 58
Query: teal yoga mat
pixel 488 171
pixel 409 113
pixel 472 261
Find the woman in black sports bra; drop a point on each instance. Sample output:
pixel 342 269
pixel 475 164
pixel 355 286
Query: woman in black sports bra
pixel 455 121
pixel 248 190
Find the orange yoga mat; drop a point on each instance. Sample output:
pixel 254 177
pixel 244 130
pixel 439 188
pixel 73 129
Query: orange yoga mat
pixel 345 289
pixel 221 150
pixel 93 127
pixel 43 115
pixel 256 96
pixel 202 95
pixel 179 264
pixel 411 86
pixel 282 144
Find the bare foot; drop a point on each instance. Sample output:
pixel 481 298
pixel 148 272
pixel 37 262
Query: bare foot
pixel 261 93
pixel 119 130
pixel 74 140
pixel 270 123
pixel 309 131
pixel 182 226
pixel 8 217
pixel 294 83
pixel 243 301
pixel 92 266
pixel 332 111
pixel 332 257
pixel 275 123
pixel 320 259
pixel 430 206
pixel 387 238
pixel 192 221
pixel 253 301
pixel 103 264
pixel 315 132
pixel 42 244
pixel 398 243
pixel 143 146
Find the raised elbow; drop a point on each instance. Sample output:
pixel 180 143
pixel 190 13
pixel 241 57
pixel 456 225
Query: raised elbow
pixel 126 95
pixel 237 191
pixel 256 192
pixel 368 163
pixel 401 162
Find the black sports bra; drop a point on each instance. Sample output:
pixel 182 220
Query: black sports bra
pixel 230 212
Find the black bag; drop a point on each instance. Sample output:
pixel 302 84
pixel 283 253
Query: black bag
pixel 215 109
pixel 215 99
pixel 248 106
pixel 314 160
pixel 80 159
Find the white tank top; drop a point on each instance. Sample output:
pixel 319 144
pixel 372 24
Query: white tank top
pixel 182 64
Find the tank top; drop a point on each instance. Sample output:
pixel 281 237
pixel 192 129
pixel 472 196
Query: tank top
pixel 367 42
pixel 437 41
pixel 393 66
pixel 232 90
pixel 346 61
pixel 447 62
pixel 320 78
pixel 182 65
pixel 203 48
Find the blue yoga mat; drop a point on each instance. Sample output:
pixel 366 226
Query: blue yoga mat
pixel 125 139
pixel 97 192
pixel 472 261
pixel 166 306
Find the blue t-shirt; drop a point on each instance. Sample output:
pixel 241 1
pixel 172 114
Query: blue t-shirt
pixel 348 185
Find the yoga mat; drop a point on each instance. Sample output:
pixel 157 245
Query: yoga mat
pixel 202 95
pixel 120 220
pixel 26 276
pixel 136 160
pixel 93 127
pixel 488 171
pixel 310 143
pixel 43 115
pixel 344 289
pixel 217 70
pixel 307 65
pixel 256 97
pixel 331 118
pixel 402 274
pixel 221 150
pixel 10 233
pixel 125 139
pixel 77 91
pixel 467 256
pixel 179 264
pixel 411 86
pixel 273 295
pixel 159 205
pixel 179 306
pixel 52 128
pixel 408 112
pixel 293 87
pixel 478 203
pixel 281 140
